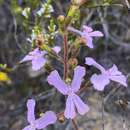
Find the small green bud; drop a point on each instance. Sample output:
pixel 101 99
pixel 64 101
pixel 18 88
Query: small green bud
pixel 73 62
pixel 61 18
pixel 46 47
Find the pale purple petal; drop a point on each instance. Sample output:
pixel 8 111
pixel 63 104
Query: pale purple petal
pixel 120 79
pixel 36 53
pixel 30 55
pixel 48 118
pixel 57 49
pixel 55 80
pixel 88 40
pixel 87 34
pixel 117 76
pixel 38 63
pixel 114 70
pixel 96 34
pixel 79 73
pixel 92 62
pixel 70 112
pixel 74 30
pixel 87 29
pixel 89 61
pixel 81 107
pixel 31 110
pixel 27 58
pixel 99 81
pixel 27 128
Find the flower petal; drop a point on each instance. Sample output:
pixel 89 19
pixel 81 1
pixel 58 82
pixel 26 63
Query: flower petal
pixel 27 128
pixel 92 62
pixel 99 81
pixel 79 73
pixel 89 61
pixel 55 80
pixel 27 58
pixel 69 112
pixel 114 70
pixel 87 29
pixel 120 79
pixel 35 51
pixel 48 118
pixel 57 49
pixel 96 34
pixel 31 55
pixel 74 30
pixel 38 63
pixel 88 40
pixel 31 110
pixel 117 76
pixel 81 107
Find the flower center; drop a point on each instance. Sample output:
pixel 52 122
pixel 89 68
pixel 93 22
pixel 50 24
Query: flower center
pixel 33 127
pixel 70 92
pixel 108 73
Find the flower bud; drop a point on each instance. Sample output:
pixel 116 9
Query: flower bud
pixel 61 119
pixel 61 18
pixel 73 62
pixel 39 40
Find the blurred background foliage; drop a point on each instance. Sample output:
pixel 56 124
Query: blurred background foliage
pixel 19 22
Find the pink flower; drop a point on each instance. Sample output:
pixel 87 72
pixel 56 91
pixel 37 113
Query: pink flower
pixel 99 81
pixel 87 34
pixel 73 102
pixel 48 118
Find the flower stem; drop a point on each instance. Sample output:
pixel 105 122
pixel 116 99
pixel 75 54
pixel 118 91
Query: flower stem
pixel 102 96
pixel 75 124
pixel 65 57
pixel 66 69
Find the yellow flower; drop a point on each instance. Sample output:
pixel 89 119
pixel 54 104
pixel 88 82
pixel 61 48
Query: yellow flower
pixel 4 77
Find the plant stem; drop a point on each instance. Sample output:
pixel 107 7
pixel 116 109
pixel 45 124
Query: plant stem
pixel 75 124
pixel 82 89
pixel 65 57
pixel 102 96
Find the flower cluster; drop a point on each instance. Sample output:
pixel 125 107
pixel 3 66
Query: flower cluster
pixel 74 103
